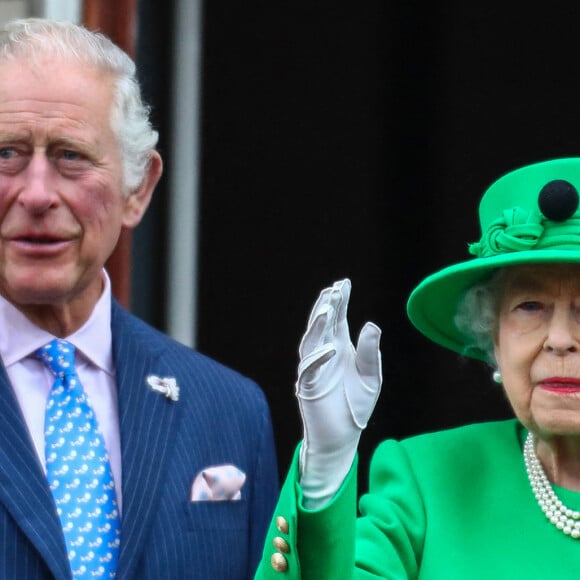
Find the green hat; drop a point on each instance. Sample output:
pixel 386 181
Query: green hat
pixel 528 216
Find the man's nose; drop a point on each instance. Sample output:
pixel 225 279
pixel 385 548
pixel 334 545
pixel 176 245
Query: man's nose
pixel 37 191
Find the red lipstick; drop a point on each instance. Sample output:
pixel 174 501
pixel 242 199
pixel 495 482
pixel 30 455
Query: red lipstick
pixel 562 385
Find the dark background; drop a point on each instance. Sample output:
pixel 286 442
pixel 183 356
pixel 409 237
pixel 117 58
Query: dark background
pixel 354 140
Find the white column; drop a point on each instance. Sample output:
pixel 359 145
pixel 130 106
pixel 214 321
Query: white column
pixel 184 173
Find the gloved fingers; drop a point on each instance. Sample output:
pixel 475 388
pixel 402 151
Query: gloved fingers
pixel 368 355
pixel 361 400
pixel 339 301
pixel 310 367
pixel 328 315
pixel 320 304
pixel 317 330
pixel 316 348
pixel 362 394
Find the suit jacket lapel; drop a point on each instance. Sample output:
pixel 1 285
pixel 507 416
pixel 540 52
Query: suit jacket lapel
pixel 148 422
pixel 24 491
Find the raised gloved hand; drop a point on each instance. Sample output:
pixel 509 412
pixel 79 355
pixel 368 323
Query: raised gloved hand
pixel 337 389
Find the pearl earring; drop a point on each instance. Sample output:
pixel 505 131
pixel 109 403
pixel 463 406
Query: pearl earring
pixel 497 378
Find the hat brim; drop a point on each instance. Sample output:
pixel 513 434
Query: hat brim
pixel 433 304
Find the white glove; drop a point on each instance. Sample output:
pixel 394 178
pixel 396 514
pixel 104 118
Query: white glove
pixel 337 389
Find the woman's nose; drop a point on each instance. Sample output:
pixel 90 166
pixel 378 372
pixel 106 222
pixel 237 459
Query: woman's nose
pixel 563 333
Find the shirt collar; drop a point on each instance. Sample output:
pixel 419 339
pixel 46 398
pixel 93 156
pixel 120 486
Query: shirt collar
pixel 93 339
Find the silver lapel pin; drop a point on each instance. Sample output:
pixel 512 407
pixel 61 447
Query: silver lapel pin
pixel 165 385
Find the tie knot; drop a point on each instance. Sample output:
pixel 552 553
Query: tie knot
pixel 59 356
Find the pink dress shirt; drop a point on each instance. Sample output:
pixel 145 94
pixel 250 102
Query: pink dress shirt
pixel 32 381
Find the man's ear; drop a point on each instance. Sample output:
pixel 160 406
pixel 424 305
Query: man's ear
pixel 137 201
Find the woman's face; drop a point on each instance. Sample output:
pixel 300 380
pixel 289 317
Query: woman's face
pixel 537 346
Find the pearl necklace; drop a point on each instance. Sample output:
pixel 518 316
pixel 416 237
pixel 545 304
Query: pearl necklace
pixel 565 519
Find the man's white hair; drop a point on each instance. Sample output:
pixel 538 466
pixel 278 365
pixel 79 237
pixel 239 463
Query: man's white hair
pixel 34 38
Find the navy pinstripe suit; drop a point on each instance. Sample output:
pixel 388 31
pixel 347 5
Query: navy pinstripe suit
pixel 221 417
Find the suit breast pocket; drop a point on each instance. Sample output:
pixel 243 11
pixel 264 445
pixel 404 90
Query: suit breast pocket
pixel 208 540
pixel 217 515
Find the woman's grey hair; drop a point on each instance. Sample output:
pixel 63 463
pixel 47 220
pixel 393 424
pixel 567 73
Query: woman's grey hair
pixel 33 38
pixel 478 314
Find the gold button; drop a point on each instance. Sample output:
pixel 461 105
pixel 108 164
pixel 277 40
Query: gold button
pixel 281 544
pixel 279 562
pixel 282 524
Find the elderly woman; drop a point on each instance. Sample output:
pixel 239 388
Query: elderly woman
pixel 494 500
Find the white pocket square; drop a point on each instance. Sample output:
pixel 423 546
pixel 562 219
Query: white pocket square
pixel 218 483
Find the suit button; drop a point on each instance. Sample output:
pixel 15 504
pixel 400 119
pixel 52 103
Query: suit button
pixel 282 524
pixel 278 562
pixel 281 544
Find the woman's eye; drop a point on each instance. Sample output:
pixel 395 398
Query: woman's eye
pixel 529 306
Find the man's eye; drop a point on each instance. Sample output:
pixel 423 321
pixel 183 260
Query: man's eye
pixel 70 162
pixel 530 306
pixel 69 155
pixel 7 152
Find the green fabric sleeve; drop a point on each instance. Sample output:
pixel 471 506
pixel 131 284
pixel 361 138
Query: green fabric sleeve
pixel 320 542
pixel 449 505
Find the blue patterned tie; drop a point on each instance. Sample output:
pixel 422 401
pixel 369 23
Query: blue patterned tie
pixel 78 470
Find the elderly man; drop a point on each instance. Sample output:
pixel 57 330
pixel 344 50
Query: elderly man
pixel 122 453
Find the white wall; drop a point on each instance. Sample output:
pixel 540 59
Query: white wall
pixel 57 9
pixel 10 9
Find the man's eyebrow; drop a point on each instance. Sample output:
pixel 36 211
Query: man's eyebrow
pixel 7 136
pixel 68 142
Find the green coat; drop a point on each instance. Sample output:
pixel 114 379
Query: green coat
pixel 452 505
